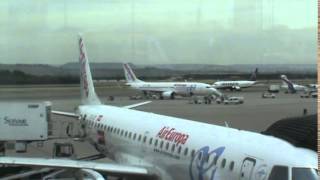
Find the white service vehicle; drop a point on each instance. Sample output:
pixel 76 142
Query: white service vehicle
pixel 230 100
pixel 159 147
pixel 234 100
pixel 274 88
pixel 268 95
pixel 314 94
pixel 308 94
pixel 23 122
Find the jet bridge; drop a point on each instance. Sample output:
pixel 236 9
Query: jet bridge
pixel 299 131
pixel 23 122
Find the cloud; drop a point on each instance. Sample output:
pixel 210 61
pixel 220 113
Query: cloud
pixel 157 31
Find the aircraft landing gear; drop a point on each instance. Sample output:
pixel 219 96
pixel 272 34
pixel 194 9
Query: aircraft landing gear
pixel 172 96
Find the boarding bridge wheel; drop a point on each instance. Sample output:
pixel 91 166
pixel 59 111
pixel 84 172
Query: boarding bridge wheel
pixel 63 150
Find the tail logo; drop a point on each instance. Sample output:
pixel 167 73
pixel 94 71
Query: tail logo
pixel 203 166
pixel 129 73
pixel 83 68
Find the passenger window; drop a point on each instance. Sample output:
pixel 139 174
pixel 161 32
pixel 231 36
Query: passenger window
pixel 144 139
pixel 279 173
pixel 223 163
pixel 231 166
pixel 139 138
pixel 118 132
pixel 134 136
pixel 114 130
pixel 192 153
pixel 161 144
pixel 125 134
pixel 173 147
pixel 150 141
pixel 156 143
pixel 122 132
pixel 129 135
pixel 186 151
pixel 179 149
pixel 167 146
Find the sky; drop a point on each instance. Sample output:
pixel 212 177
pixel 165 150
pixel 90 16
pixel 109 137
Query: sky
pixel 159 31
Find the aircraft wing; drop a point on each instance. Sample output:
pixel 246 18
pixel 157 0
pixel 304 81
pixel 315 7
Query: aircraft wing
pixel 69 114
pixel 111 168
pixel 74 115
pixel 136 105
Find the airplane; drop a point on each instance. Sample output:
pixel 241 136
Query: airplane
pixel 237 85
pixel 314 86
pixel 291 87
pixel 168 89
pixel 151 146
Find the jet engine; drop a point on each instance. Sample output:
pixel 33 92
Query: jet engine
pixel 167 94
pixel 237 88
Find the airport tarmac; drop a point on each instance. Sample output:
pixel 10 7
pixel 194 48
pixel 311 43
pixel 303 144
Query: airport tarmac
pixel 256 114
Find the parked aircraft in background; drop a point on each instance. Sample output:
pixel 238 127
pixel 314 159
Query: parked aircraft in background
pixel 148 145
pixel 291 87
pixel 168 89
pixel 237 85
pixel 314 86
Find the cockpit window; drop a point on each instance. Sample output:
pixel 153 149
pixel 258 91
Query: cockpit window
pixel 304 173
pixel 208 86
pixel 279 173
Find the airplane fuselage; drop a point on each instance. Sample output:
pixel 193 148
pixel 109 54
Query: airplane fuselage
pixel 178 88
pixel 233 84
pixel 184 149
pixel 295 86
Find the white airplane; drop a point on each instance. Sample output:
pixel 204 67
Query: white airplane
pixel 168 89
pixel 314 86
pixel 291 87
pixel 148 145
pixel 237 85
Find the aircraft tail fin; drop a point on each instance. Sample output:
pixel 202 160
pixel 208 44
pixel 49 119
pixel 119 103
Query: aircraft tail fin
pixel 253 77
pixel 87 92
pixel 129 74
pixel 290 85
